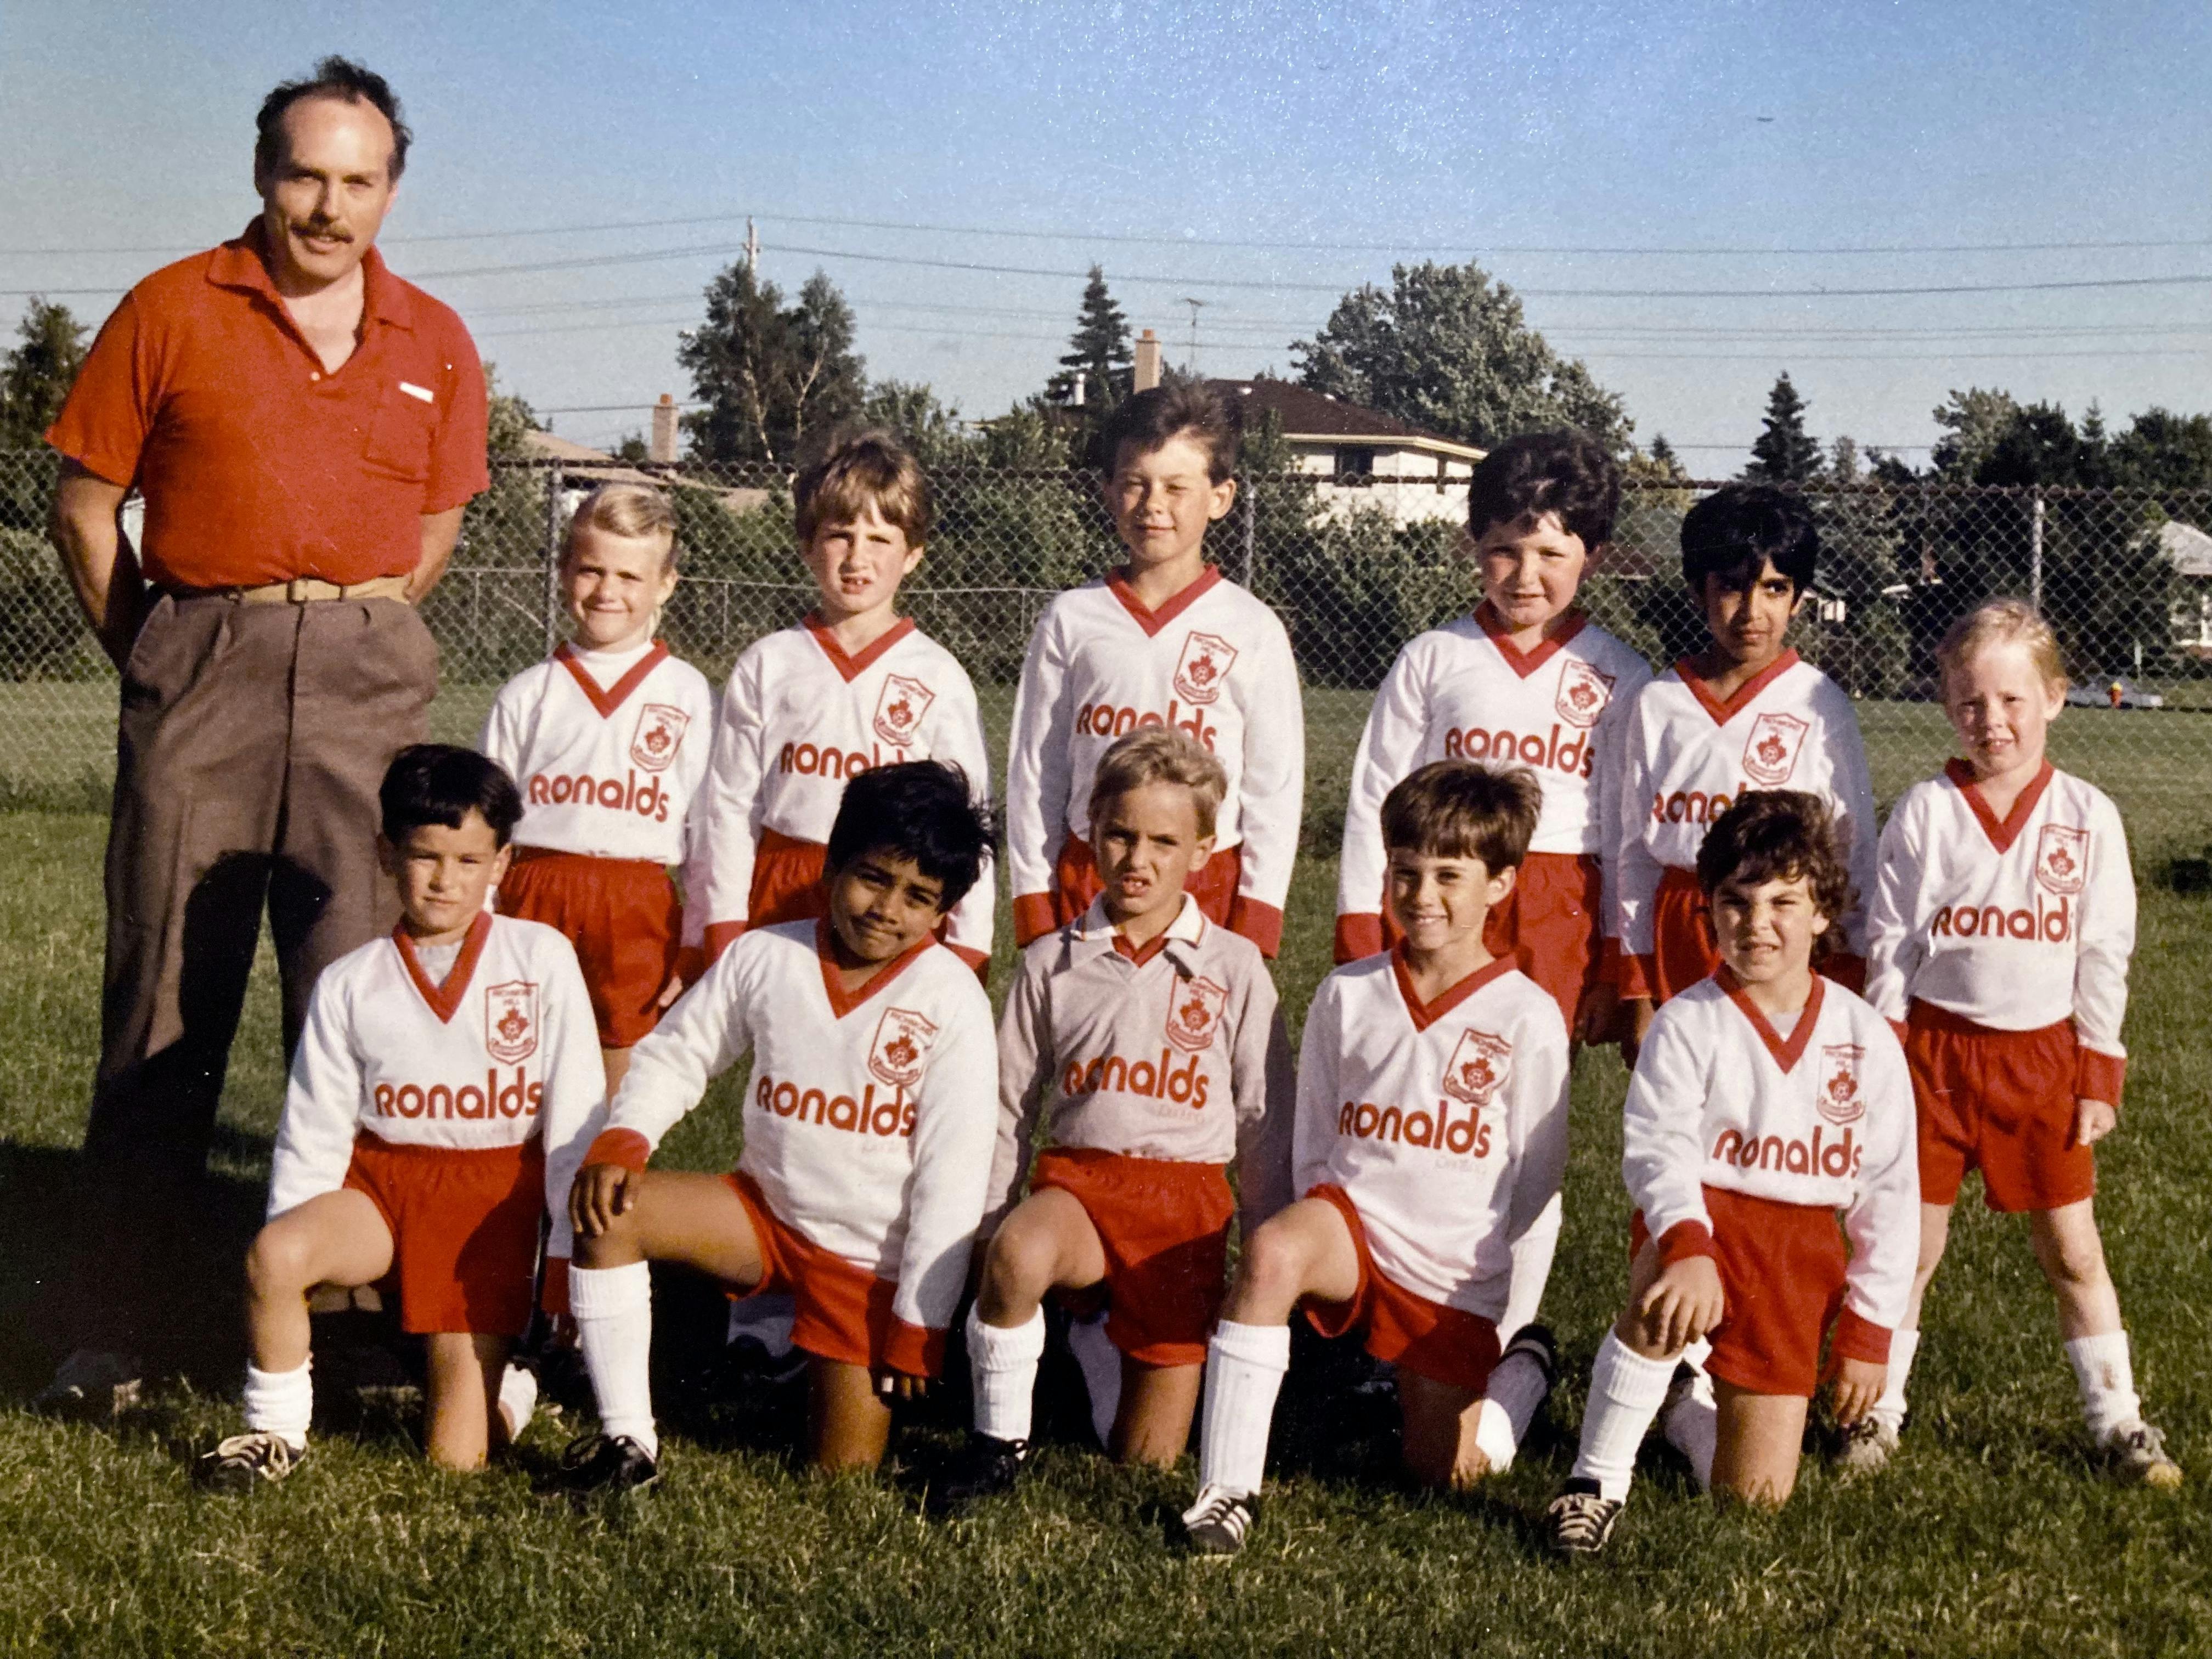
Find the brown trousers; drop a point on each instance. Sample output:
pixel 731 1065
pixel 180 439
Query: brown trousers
pixel 251 742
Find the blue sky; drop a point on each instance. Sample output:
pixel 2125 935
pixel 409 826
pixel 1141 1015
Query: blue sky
pixel 1527 137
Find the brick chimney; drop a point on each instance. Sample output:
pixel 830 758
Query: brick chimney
pixel 663 447
pixel 1148 362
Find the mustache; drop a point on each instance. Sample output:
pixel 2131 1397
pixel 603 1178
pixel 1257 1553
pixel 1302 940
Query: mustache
pixel 323 228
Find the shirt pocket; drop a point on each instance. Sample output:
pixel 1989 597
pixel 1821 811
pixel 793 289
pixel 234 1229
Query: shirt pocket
pixel 400 431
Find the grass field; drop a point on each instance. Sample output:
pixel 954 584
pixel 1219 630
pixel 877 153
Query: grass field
pixel 1990 1536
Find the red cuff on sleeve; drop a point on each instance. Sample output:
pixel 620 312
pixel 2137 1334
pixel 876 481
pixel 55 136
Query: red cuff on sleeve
pixel 1846 970
pixel 1358 936
pixel 721 935
pixel 1034 917
pixel 1636 974
pixel 554 1297
pixel 2099 1077
pixel 977 959
pixel 1684 1240
pixel 1859 1339
pixel 624 1146
pixel 914 1349
pixel 1259 922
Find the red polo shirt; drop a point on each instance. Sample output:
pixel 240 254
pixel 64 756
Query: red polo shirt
pixel 257 465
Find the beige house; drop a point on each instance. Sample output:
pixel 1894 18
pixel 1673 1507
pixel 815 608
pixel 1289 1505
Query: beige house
pixel 1360 458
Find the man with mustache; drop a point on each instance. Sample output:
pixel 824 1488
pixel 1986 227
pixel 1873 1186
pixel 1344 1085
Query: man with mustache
pixel 305 429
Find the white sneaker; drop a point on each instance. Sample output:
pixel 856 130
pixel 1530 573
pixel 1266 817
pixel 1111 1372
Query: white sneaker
pixel 1869 1444
pixel 246 1462
pixel 2135 1454
pixel 92 1383
pixel 1217 1523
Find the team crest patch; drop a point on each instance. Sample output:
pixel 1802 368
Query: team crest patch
pixel 1194 1014
pixel 659 734
pixel 511 1020
pixel 1203 668
pixel 900 708
pixel 1770 753
pixel 1478 1067
pixel 1583 694
pixel 902 1046
pixel 2062 860
pixel 1840 1101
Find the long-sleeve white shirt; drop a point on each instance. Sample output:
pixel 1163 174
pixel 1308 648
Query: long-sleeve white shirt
pixel 1465 691
pixel 1688 757
pixel 2015 924
pixel 609 749
pixel 1214 662
pixel 503 1051
pixel 800 717
pixel 1821 1118
pixel 869 1116
pixel 1445 1122
pixel 1183 1057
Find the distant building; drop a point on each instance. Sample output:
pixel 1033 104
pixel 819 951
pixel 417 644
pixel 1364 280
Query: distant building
pixel 583 470
pixel 2189 550
pixel 1361 457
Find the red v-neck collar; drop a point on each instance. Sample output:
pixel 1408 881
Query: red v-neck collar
pixel 1723 713
pixel 1140 954
pixel 445 998
pixel 842 1001
pixel 1525 663
pixel 2003 834
pixel 1786 1055
pixel 1117 583
pixel 1425 1014
pixel 612 698
pixel 852 668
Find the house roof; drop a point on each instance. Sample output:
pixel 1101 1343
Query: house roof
pixel 2187 549
pixel 595 466
pixel 1315 418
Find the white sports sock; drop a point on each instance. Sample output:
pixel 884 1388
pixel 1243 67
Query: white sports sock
pixel 1510 1405
pixel 2107 1380
pixel 1625 1393
pixel 767 1318
pixel 1532 1269
pixel 1002 1362
pixel 1100 1364
pixel 613 1307
pixel 1693 1427
pixel 1890 1408
pixel 281 1403
pixel 1244 1367
pixel 518 1398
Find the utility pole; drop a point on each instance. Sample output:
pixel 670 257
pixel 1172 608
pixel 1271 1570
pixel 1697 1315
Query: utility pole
pixel 1191 363
pixel 752 247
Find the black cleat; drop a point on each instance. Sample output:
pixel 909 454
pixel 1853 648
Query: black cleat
pixel 1580 1519
pixel 613 1463
pixel 982 1468
pixel 1217 1523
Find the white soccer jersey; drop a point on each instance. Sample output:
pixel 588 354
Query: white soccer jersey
pixel 1182 1057
pixel 1465 691
pixel 1214 662
pixel 1446 1122
pixel 608 749
pixel 1688 757
pixel 1824 1119
pixel 503 1051
pixel 868 1117
pixel 2015 925
pixel 800 717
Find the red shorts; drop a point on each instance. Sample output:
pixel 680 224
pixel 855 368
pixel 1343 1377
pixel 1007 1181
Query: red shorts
pixel 2000 1102
pixel 787 880
pixel 842 1312
pixel 1164 1226
pixel 1685 950
pixel 1782 1270
pixel 1075 884
pixel 463 1225
pixel 623 916
pixel 1444 1343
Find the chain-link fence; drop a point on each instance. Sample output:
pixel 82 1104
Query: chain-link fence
pixel 1356 567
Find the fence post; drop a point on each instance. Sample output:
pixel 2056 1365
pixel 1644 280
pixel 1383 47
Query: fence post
pixel 552 556
pixel 2035 553
pixel 1251 523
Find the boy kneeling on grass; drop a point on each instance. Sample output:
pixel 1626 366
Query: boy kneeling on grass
pixel 868 1124
pixel 438 1097
pixel 1767 1099
pixel 1431 1133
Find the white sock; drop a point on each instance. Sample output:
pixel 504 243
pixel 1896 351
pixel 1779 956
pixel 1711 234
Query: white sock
pixel 1890 1408
pixel 1532 1269
pixel 767 1318
pixel 1625 1393
pixel 1002 1362
pixel 1101 1363
pixel 1244 1367
pixel 613 1307
pixel 1693 1427
pixel 518 1398
pixel 2107 1380
pixel 282 1403
pixel 1510 1405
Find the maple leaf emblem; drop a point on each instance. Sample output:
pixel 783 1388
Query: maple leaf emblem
pixel 657 739
pixel 1194 1014
pixel 1202 670
pixel 1770 750
pixel 900 1051
pixel 1477 1074
pixel 512 1024
pixel 1582 695
pixel 901 713
pixel 1841 1087
pixel 2061 860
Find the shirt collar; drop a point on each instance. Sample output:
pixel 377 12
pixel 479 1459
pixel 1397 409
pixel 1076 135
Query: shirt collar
pixel 243 263
pixel 1094 933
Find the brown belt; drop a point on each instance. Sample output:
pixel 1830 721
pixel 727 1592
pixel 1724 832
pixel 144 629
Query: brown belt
pixel 302 590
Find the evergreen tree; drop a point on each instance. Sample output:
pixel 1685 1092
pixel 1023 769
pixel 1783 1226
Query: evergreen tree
pixel 768 375
pixel 1783 452
pixel 38 374
pixel 1099 350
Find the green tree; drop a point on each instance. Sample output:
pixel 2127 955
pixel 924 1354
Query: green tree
pixel 1973 422
pixel 930 427
pixel 36 374
pixel 1783 452
pixel 1099 350
pixel 1449 349
pixel 768 375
